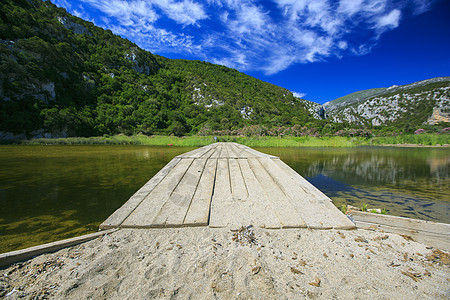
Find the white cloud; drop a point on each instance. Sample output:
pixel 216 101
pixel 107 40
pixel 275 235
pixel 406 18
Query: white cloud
pixel 249 20
pixel 250 34
pixel 342 45
pixel 390 20
pixel 350 7
pixel 126 12
pixel 185 12
pixel 298 95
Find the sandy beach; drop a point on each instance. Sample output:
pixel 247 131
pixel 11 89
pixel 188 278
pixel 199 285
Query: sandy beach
pixel 253 263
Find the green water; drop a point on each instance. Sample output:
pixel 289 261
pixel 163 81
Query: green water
pixel 49 193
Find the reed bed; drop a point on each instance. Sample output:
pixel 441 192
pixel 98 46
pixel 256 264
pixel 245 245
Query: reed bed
pixel 251 141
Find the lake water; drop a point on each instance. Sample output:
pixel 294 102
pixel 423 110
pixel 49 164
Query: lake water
pixel 49 193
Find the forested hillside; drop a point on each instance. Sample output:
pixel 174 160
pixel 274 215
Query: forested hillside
pixel 63 76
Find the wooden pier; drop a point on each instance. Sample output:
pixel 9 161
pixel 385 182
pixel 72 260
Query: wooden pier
pixel 228 185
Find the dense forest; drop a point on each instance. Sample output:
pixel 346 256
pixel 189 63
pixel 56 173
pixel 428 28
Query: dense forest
pixel 66 76
pixel 63 76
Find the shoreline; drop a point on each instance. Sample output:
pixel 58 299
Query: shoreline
pixel 209 263
pixel 425 141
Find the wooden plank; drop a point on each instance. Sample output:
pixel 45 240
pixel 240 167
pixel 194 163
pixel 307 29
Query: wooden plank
pixel 262 211
pixel 312 216
pixel 234 212
pixel 172 213
pixel 9 258
pixel 246 151
pixel 221 203
pixel 238 186
pixel 434 239
pixel 217 151
pixel 401 222
pixel 192 153
pixel 331 214
pixel 257 153
pixel 224 152
pixel 231 151
pixel 242 152
pixel 316 208
pixel 287 215
pixel 200 152
pixel 118 217
pixel 198 212
pixel 145 213
pixel 307 186
pixel 211 150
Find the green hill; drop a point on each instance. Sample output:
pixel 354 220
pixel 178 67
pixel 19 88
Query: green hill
pixel 63 76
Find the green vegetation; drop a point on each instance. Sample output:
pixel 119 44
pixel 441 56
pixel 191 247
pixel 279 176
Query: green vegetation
pixel 251 141
pixel 191 141
pixel 364 207
pixel 414 139
pixel 198 141
pixel 62 75
pixel 356 96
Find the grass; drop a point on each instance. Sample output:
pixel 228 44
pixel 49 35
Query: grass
pixel 192 141
pixel 306 141
pixel 415 139
pixel 265 141
pixel 364 207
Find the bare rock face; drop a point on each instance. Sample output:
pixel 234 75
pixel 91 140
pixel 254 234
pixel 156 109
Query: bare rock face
pixel 439 115
pixel 49 87
pixel 75 27
pixel 387 105
pixel 139 65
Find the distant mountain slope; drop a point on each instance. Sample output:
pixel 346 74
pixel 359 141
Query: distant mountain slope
pixel 63 76
pixel 400 106
pixel 351 98
pixel 366 94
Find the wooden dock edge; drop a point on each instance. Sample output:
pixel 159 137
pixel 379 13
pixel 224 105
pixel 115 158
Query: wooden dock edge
pixel 9 258
pixel 118 217
pixel 429 233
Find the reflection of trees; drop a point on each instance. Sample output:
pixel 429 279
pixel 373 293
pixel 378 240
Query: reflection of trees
pixel 372 166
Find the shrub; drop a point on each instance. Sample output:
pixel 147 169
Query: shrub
pixel 419 131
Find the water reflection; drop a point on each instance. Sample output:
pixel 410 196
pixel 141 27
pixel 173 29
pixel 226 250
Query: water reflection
pixel 410 182
pixel 49 193
pixel 56 192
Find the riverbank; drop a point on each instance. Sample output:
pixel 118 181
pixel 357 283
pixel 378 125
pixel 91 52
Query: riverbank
pixel 208 263
pixel 252 141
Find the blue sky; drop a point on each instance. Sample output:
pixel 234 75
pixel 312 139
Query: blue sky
pixel 318 49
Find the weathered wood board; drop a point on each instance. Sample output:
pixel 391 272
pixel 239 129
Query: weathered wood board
pixel 429 233
pixel 228 185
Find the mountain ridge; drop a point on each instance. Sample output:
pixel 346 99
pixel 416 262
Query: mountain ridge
pixel 365 94
pixel 63 76
pixel 422 102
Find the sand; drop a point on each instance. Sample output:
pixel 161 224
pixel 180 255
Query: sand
pixel 217 263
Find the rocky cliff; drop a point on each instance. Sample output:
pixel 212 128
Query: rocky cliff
pixel 426 101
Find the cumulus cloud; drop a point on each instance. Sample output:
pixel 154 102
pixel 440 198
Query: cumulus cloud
pixel 267 36
pixel 299 95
